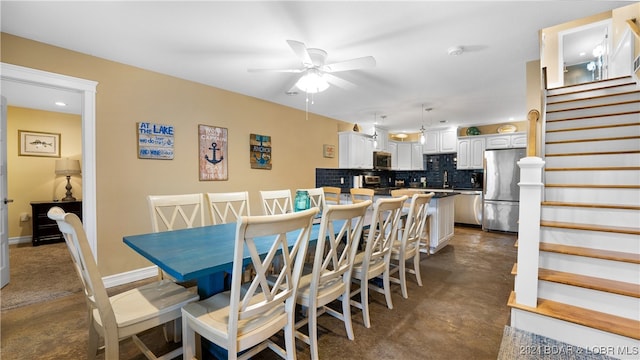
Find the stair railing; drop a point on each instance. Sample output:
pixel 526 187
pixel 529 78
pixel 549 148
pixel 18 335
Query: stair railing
pixel 531 188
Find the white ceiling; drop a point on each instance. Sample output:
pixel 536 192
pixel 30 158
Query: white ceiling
pixel 214 43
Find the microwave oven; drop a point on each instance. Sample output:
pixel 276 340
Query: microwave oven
pixel 381 160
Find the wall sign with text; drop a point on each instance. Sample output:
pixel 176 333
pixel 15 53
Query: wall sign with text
pixel 212 153
pixel 260 151
pixel 155 141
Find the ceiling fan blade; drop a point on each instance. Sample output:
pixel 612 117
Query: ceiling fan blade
pixel 295 71
pixel 353 64
pixel 341 83
pixel 300 49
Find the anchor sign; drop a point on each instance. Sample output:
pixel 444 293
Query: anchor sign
pixel 213 160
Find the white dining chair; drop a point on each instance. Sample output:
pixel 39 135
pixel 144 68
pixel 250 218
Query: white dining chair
pixel 173 212
pixel 244 318
pixel 276 201
pixel 361 194
pixel 332 194
pixel 374 260
pixel 228 207
pixel 330 276
pixel 123 315
pixel 408 246
pixel 316 197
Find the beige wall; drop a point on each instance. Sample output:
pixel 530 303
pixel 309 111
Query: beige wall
pixel 126 95
pixel 32 178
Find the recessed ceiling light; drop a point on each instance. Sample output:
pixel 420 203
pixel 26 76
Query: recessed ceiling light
pixel 583 53
pixel 60 103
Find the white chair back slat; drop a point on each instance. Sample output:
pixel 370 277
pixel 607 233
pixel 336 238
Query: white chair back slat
pixel 226 208
pixel 276 202
pixel 172 212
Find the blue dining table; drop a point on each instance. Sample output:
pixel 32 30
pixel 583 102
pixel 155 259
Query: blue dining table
pixel 203 254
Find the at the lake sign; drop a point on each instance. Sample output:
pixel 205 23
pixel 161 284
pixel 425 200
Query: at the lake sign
pixel 155 141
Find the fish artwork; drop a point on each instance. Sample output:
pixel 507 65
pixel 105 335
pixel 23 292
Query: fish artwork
pixel 40 143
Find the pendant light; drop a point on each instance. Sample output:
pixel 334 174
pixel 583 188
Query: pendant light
pixel 375 133
pixel 422 129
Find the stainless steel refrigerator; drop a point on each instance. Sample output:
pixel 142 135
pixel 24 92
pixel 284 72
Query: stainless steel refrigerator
pixel 501 193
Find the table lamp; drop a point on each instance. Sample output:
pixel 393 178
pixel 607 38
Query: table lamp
pixel 68 167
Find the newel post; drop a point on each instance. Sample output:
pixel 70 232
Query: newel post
pixel 531 186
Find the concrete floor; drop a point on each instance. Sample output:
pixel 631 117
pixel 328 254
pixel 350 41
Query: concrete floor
pixel 458 313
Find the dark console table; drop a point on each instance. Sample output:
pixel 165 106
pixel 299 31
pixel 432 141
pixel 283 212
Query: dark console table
pixel 46 230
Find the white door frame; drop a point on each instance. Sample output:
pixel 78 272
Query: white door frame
pixel 87 91
pixel 606 23
pixel 4 205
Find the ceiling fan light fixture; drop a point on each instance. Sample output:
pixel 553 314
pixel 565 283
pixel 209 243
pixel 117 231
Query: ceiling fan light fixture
pixel 312 82
pixel 455 50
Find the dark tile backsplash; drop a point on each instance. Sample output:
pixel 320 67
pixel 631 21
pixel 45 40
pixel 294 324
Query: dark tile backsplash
pixel 434 165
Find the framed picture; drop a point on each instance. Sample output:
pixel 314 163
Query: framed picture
pixel 35 143
pixel 260 151
pixel 328 151
pixel 212 153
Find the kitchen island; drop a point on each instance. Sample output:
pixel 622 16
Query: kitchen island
pixel 442 213
pixel 442 216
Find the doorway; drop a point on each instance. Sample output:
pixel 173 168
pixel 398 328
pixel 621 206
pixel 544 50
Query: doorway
pixel 85 89
pixel 584 53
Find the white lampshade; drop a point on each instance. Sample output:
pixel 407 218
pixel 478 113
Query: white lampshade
pixel 312 82
pixel 67 167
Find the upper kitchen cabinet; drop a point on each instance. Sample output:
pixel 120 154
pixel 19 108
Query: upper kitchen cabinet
pixel 470 152
pixel 441 141
pixel 506 141
pixel 355 150
pixel 392 147
pixel 382 141
pixel 409 156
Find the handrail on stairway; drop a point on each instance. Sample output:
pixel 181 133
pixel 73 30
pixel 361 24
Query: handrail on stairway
pixel 634 27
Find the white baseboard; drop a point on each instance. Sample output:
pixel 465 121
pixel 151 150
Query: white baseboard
pixel 111 280
pixel 130 276
pixel 20 240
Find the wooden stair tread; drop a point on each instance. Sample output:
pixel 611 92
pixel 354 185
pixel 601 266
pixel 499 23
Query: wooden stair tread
pixel 590 252
pixel 597 82
pixel 581 316
pixel 592 139
pixel 594 116
pixel 595 127
pixel 593 97
pixel 589 227
pixel 588 107
pixel 599 168
pixel 590 282
pixel 596 206
pixel 594 186
pixel 514 269
pixel 595 153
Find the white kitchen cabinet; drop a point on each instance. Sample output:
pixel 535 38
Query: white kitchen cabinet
pixel 506 141
pixel 409 156
pixel 416 157
pixel 382 143
pixel 470 152
pixel 355 150
pixel 392 148
pixel 404 156
pixel 441 141
pixel 441 222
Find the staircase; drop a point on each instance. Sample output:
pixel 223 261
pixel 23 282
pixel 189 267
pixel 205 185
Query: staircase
pixel 589 251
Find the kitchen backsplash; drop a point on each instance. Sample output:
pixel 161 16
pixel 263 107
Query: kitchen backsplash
pixel 434 165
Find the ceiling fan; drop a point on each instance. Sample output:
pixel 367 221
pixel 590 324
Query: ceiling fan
pixel 316 74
